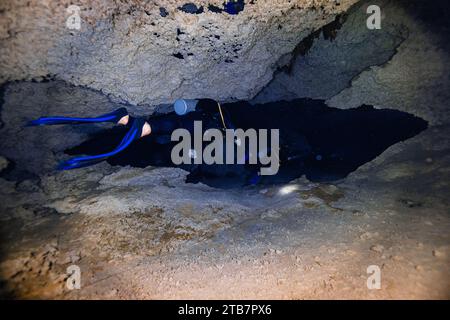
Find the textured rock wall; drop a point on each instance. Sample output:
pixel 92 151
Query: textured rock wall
pixel 151 52
pixel 403 66
pixel 336 57
pixel 416 79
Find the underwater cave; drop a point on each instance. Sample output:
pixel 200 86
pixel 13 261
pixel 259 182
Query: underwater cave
pixel 225 150
pixel 324 144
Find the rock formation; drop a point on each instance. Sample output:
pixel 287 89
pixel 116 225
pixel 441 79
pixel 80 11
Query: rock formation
pixel 152 52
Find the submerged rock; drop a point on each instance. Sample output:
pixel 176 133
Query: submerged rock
pixel 126 49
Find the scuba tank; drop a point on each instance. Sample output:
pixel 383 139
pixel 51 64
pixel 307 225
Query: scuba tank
pixel 184 106
pixel 210 109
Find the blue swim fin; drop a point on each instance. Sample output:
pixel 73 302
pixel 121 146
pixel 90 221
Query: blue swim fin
pixel 113 117
pixel 133 134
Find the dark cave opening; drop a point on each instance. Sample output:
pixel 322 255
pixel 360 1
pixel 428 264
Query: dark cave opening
pixel 191 8
pixel 325 144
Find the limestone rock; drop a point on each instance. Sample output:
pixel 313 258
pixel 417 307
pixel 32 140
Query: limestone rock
pixel 338 53
pixel 402 66
pixel 154 52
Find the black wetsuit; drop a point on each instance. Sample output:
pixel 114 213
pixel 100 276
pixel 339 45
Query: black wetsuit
pixel 207 111
pixel 239 115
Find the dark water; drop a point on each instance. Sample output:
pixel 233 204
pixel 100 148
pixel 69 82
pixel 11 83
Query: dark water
pixel 324 144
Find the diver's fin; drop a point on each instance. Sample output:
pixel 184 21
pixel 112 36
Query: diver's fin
pixel 133 134
pixel 114 117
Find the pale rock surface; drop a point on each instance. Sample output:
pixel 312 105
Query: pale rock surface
pixel 129 51
pixel 403 66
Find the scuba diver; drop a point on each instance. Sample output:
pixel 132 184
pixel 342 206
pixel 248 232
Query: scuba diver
pixel 324 143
